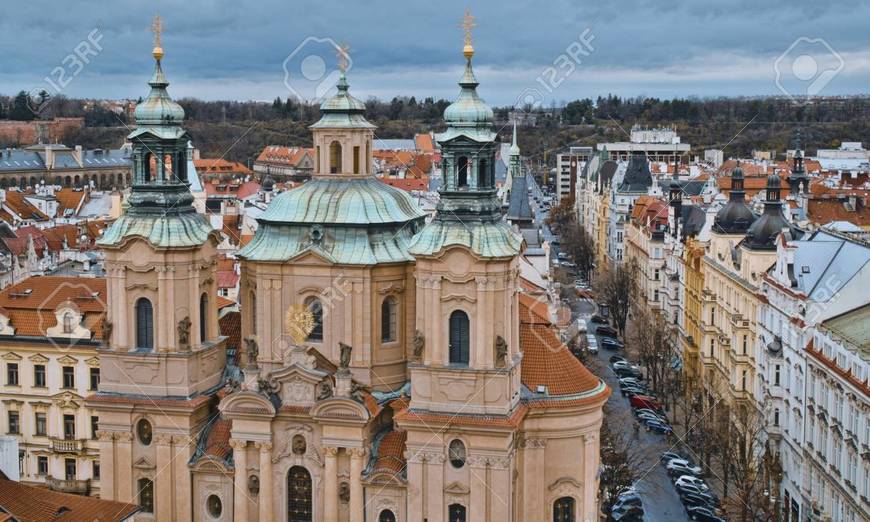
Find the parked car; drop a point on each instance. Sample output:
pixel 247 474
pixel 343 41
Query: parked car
pixel 668 455
pixel 627 513
pixel 640 411
pixel 679 467
pixel 616 358
pixel 707 497
pixel 630 382
pixel 692 479
pixel 610 343
pixel 691 500
pixel 657 426
pixel 703 513
pixel 641 401
pixel 683 489
pixel 619 365
pixel 581 325
pixel 633 391
pixel 628 372
pixel 562 255
pixel 651 416
pixel 606 331
pixel 591 343
pixel 599 319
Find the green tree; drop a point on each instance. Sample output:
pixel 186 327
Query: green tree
pixel 20 109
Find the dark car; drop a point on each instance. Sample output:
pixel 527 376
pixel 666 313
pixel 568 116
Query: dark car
pixel 627 513
pixel 668 455
pixel 684 489
pixel 606 331
pixel 599 319
pixel 634 391
pixel 702 513
pixel 628 372
pixel 616 358
pixel 656 426
pixel 629 499
pixel 610 343
pixel 691 500
pixel 708 498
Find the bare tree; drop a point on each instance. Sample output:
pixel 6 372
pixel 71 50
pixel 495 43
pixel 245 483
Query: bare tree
pixel 743 457
pixel 622 460
pixel 616 288
pixel 577 242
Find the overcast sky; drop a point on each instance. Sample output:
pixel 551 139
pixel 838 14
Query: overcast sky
pixel 221 49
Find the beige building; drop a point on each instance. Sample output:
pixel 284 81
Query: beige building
pixel 392 370
pixel 50 328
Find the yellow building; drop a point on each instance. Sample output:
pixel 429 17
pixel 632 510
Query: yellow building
pixel 693 256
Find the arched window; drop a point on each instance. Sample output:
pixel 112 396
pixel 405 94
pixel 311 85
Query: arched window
pixel 459 337
pixel 386 516
pixel 335 157
pixel 389 315
pixel 146 495
pixel 203 318
pixel 144 324
pixel 456 453
pixel 456 513
pixel 356 159
pixel 299 495
pixel 482 174
pixel 68 323
pixel 563 510
pixel 143 432
pixel 462 172
pixel 316 309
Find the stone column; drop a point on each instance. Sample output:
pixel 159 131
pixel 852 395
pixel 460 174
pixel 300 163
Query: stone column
pixel 479 488
pixel 416 486
pixel 500 489
pixel 124 467
pixel 266 487
pixel 590 476
pixel 240 493
pixel 107 465
pixel 434 469
pixel 183 488
pixel 163 490
pixel 357 461
pixel 330 484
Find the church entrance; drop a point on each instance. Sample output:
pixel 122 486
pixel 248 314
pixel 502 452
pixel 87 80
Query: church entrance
pixel 298 495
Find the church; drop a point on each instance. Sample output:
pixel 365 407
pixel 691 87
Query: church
pixel 391 369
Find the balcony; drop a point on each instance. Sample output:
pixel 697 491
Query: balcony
pixel 78 487
pixel 67 445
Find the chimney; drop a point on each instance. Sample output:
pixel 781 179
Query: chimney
pixel 78 155
pixel 49 157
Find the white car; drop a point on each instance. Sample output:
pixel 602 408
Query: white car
pixel 581 326
pixel 591 343
pixel 622 365
pixel 689 480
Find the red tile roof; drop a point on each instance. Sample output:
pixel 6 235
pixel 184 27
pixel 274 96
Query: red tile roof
pixel 35 504
pixel 391 453
pixel 408 184
pixel 231 326
pixel 236 189
pixel 227 278
pixel 30 304
pixel 25 210
pixel 69 199
pixel 207 167
pixel 218 442
pixel 286 155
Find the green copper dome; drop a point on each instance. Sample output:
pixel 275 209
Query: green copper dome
pixel 158 108
pixel 337 200
pixel 342 111
pixel 468 109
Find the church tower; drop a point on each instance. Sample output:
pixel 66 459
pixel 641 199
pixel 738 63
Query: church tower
pixel 162 358
pixel 467 354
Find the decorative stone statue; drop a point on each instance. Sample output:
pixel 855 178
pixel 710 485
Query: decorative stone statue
pixel 252 351
pixel 419 345
pixel 184 332
pixel 254 484
pixel 501 352
pixel 299 445
pixel 265 386
pixel 344 492
pixel 346 349
pixel 324 391
pixel 107 332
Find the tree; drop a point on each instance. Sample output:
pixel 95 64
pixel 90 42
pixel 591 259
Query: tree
pixel 622 460
pixel 616 288
pixel 580 245
pixel 744 447
pixel 20 109
pixel 655 342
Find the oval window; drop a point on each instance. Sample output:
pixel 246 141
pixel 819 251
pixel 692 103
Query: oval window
pixel 214 506
pixel 143 431
pixel 456 453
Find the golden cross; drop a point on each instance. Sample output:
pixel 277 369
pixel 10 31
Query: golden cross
pixel 467 25
pixel 157 28
pixel 343 54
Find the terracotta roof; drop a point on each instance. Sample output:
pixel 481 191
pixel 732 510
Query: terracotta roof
pixel 30 304
pixel 287 155
pixel 226 263
pixel 35 504
pixel 227 278
pixel 823 211
pixel 244 239
pixel 391 453
pixel 231 326
pixel 68 198
pixel 223 302
pixel 235 189
pixel 533 311
pixel 218 442
pixel 424 142
pixel 212 166
pixel 25 210
pixel 399 404
pixel 529 286
pixel 408 184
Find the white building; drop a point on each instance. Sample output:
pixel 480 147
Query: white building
pixel 568 167
pixel 659 144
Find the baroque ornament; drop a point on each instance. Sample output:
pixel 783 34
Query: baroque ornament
pixel 299 322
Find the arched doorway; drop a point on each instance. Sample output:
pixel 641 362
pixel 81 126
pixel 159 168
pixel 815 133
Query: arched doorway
pixel 299 495
pixel 386 516
pixel 459 338
pixel 456 513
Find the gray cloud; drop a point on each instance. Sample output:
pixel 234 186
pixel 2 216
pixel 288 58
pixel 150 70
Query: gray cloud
pixel 234 49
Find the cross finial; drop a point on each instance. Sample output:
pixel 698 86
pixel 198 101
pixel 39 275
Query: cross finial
pixel 343 54
pixel 157 29
pixel 467 25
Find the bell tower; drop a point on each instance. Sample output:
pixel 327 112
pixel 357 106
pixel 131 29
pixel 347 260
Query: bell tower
pixel 467 272
pixel 162 356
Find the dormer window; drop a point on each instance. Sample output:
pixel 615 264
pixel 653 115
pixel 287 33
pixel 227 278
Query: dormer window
pixel 68 323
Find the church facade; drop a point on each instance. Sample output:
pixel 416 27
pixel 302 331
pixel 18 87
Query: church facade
pixel 390 370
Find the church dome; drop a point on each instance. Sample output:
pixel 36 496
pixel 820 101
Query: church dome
pixel 762 234
pixel 468 109
pixel 342 111
pixel 352 201
pixel 158 108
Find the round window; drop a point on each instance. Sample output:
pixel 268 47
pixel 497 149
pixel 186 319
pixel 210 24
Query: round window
pixel 143 431
pixel 456 453
pixel 214 506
